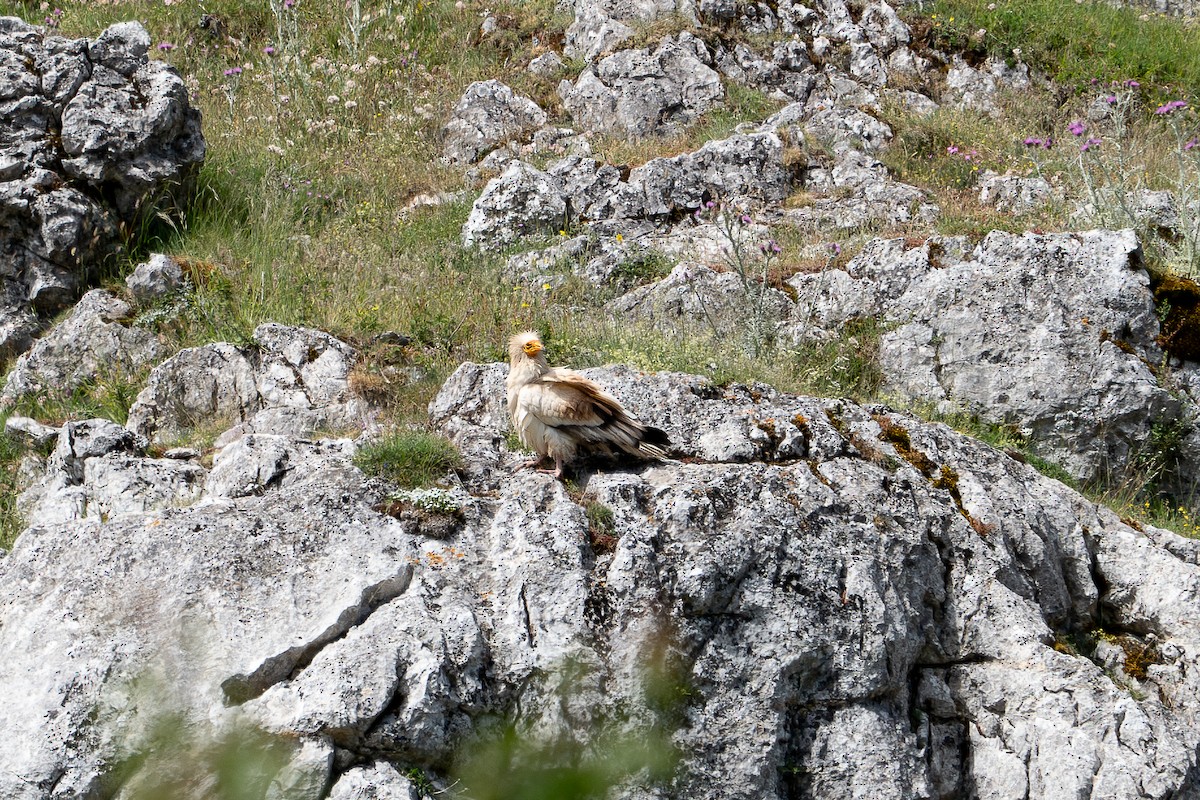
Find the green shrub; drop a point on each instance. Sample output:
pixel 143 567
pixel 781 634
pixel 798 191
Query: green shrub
pixel 409 458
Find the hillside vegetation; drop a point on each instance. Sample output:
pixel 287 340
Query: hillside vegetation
pixel 323 201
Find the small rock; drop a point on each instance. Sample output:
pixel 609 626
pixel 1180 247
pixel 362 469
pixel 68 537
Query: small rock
pixel 488 114
pixel 155 279
pixel 547 65
pixel 521 202
pixel 31 431
pixel 649 92
pixel 1014 194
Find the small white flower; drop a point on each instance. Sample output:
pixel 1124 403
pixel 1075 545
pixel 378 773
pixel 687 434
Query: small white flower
pixel 333 98
pixel 351 105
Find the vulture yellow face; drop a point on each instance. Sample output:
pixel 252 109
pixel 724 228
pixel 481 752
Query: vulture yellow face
pixel 532 348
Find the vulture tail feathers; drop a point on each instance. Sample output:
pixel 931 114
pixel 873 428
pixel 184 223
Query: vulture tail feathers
pixel 654 441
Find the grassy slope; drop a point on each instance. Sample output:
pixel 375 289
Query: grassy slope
pixel 315 150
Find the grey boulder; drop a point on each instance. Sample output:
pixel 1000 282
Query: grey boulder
pixel 295 381
pixel 1052 333
pixel 648 92
pixel 83 120
pixel 489 114
pixel 94 343
pixel 155 278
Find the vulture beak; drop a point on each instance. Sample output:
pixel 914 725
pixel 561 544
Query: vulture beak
pixel 533 348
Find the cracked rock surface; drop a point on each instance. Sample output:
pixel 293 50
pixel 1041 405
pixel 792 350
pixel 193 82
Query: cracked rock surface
pixel 1053 333
pixel 852 602
pixel 83 120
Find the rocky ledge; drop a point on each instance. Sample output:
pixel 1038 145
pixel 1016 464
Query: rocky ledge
pixel 844 602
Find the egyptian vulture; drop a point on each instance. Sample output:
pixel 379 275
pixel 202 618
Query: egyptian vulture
pixel 560 414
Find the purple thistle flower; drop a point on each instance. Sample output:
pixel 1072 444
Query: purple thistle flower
pixel 166 47
pixel 710 204
pixel 1191 143
pixel 232 71
pixel 1171 107
pixel 268 50
pixel 1111 99
pixel 1132 84
pixel 1048 143
pixel 1091 143
pixel 746 219
pixel 1032 142
pixel 835 248
pixel 1077 128
pixel 951 150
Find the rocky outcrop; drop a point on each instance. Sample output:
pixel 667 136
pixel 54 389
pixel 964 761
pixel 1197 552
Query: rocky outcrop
pixel 1052 333
pixel 94 343
pixel 524 201
pixel 488 114
pixel 647 92
pixel 84 120
pixel 295 381
pixel 840 600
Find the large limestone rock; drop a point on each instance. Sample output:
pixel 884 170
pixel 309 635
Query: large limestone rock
pixel 82 120
pixel 1052 333
pixel 647 92
pixel 295 382
pixel 842 601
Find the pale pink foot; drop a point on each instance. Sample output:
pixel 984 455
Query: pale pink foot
pixel 557 472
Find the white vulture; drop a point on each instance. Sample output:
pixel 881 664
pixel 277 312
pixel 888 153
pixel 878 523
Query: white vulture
pixel 560 414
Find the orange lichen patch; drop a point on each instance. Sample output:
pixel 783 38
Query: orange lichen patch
pixel 897 436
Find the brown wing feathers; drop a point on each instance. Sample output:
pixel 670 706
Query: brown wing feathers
pixel 615 426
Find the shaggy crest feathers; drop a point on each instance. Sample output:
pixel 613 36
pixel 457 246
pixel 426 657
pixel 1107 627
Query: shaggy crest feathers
pixel 560 414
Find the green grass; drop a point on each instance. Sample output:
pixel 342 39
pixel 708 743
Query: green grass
pixel 1073 42
pixel 846 366
pixel 11 454
pixel 409 458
